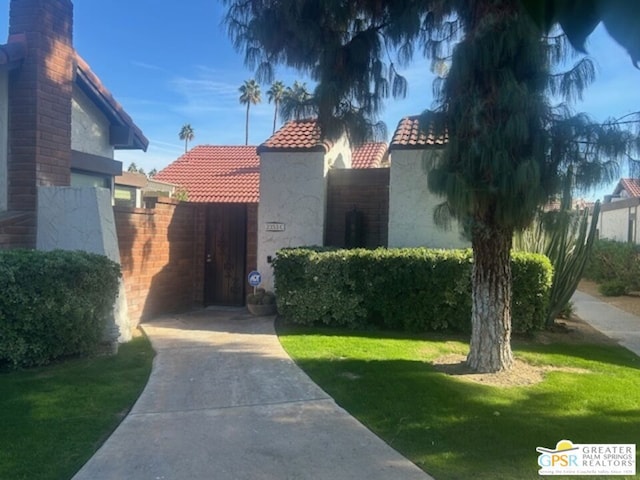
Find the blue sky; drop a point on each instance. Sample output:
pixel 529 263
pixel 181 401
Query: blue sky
pixel 171 63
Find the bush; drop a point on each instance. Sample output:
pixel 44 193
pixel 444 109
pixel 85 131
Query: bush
pixel 53 304
pixel 404 289
pixel 613 288
pixel 616 263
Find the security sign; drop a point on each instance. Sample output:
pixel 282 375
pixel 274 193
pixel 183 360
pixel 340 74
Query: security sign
pixel 255 278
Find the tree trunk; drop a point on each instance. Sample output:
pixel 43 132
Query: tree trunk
pixel 246 130
pixel 490 346
pixel 275 116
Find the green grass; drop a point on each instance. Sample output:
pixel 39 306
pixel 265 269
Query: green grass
pixel 455 429
pixel 52 419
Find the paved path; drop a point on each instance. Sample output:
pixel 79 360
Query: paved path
pixel 613 322
pixel 225 402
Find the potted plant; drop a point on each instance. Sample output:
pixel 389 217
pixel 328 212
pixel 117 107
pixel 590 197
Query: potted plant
pixel 261 302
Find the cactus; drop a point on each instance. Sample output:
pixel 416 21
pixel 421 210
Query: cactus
pixel 566 237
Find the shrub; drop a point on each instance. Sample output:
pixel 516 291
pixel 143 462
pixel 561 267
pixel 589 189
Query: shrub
pixel 412 289
pixel 53 304
pixel 616 262
pixel 613 288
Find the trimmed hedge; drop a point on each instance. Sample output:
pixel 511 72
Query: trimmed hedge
pixel 53 304
pixel 415 289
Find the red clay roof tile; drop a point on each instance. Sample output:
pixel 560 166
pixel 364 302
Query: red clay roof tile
pixel 631 185
pixel 409 136
pixel 216 174
pixel 369 155
pixel 297 135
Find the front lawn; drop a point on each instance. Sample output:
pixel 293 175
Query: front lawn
pixel 454 428
pixel 52 419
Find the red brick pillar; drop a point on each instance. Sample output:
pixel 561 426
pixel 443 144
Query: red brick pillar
pixel 40 101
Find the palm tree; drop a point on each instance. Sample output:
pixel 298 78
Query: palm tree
pixel 297 102
pixel 275 94
pixel 249 94
pixel 186 134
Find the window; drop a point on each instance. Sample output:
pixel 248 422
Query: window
pixel 125 196
pixel 87 179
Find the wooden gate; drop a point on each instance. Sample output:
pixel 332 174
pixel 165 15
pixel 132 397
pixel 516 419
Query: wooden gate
pixel 225 254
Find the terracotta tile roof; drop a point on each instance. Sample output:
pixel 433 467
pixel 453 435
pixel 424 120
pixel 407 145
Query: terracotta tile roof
pixel 93 87
pixel 631 185
pixel 369 155
pixel 295 136
pixel 409 136
pixel 216 174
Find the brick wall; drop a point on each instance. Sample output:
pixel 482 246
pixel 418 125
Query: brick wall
pixel 161 252
pixel 39 135
pixel 368 191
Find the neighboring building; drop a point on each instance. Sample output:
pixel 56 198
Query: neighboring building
pixel 136 190
pixel 619 213
pixel 59 125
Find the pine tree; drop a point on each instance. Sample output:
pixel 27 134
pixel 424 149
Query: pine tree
pixel 508 148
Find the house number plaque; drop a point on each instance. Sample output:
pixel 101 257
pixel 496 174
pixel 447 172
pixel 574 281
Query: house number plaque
pixel 275 227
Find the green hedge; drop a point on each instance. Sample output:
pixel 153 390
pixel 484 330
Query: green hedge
pixel 414 289
pixel 53 304
pixel 615 265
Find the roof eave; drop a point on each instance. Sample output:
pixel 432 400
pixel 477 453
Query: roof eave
pixel 90 85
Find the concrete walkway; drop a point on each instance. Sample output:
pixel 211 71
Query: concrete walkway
pixel 225 402
pixel 613 322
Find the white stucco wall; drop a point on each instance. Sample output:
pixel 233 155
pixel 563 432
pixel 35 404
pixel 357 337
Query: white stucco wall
pixel 4 123
pixel 340 154
pixel 411 206
pixel 81 218
pixel 614 224
pixel 89 127
pixel 292 192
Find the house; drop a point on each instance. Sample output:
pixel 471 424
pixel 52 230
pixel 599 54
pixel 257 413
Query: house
pixel 619 212
pixel 298 188
pixel 59 125
pixel 136 190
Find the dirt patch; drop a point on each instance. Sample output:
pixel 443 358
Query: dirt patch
pixel 570 330
pixel 522 373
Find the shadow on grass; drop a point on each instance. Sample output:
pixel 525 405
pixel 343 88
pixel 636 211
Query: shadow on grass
pixel 587 351
pixel 455 429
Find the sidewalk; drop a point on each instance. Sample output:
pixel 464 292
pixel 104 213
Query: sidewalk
pixel 613 322
pixel 225 402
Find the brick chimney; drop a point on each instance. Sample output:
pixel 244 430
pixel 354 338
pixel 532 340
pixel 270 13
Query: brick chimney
pixel 40 94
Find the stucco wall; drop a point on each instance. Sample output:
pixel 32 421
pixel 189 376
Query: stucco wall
pixel 89 127
pixel 81 218
pixel 614 224
pixel 293 193
pixel 411 206
pixel 4 125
